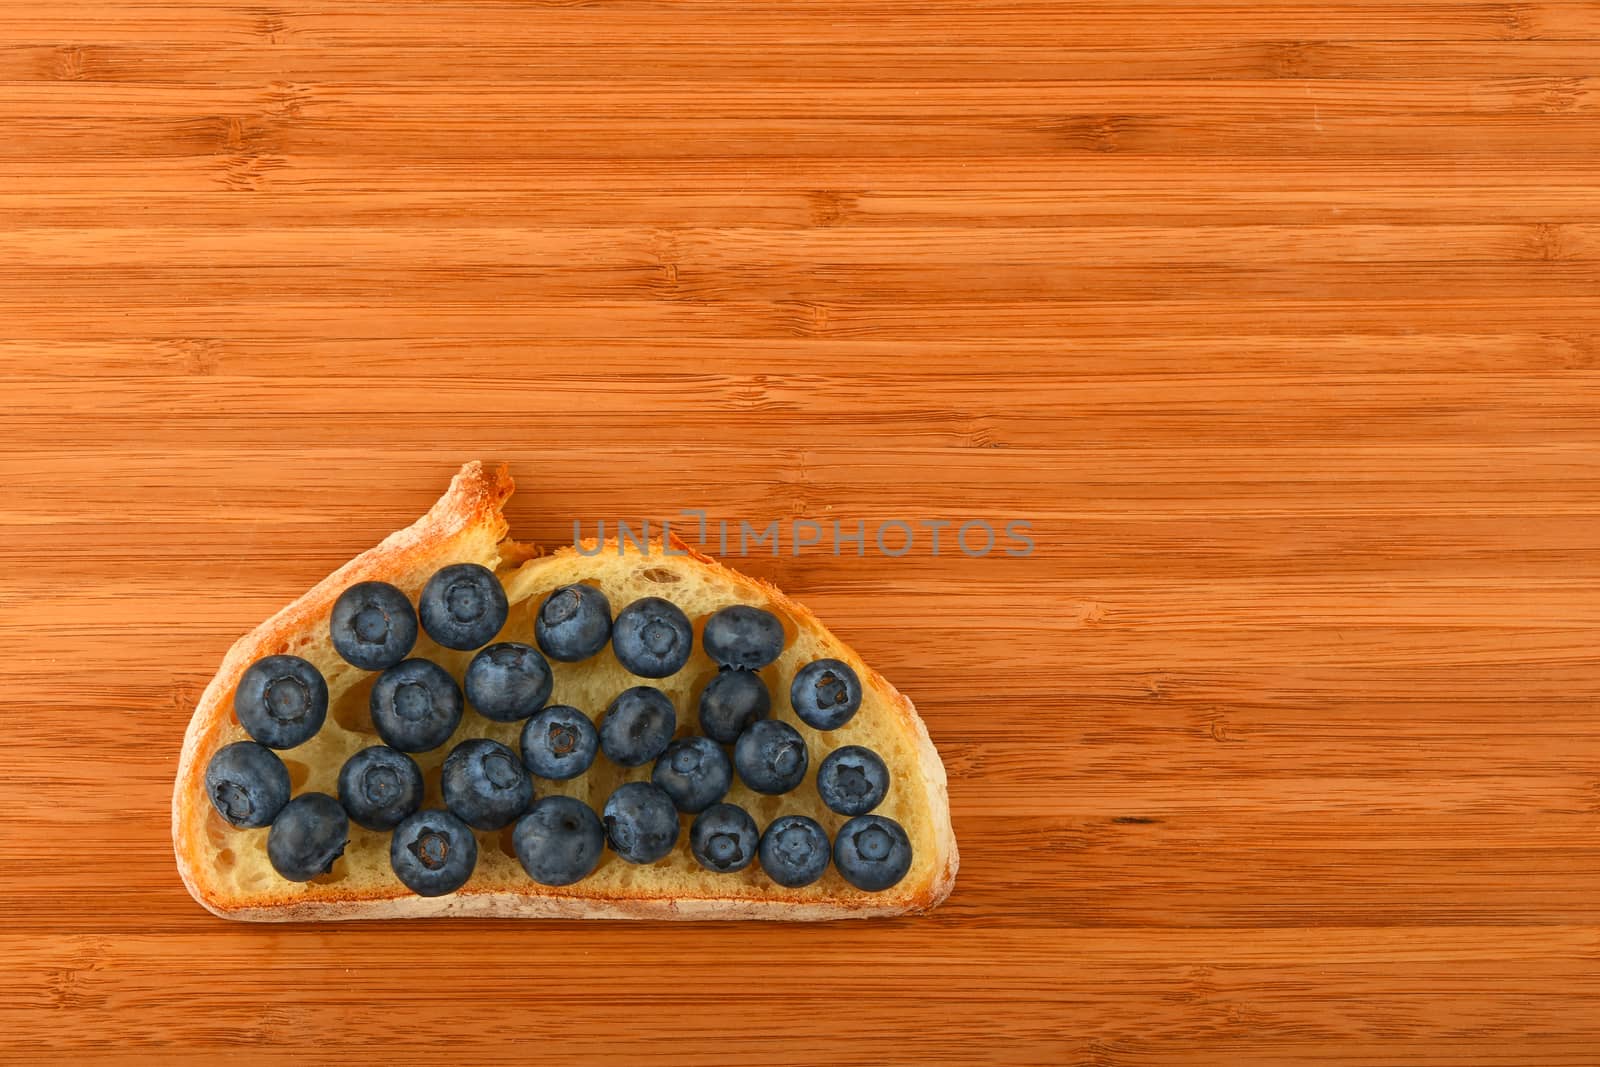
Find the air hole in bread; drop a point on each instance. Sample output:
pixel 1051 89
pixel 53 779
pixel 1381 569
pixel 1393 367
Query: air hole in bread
pixel 659 575
pixel 225 860
pixel 216 829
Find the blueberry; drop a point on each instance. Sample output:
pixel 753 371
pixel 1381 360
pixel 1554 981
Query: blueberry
pixel 794 851
pixel 373 626
pixel 463 606
pixel 559 841
pixel 723 838
pixel 507 682
pixel 641 823
pixel 307 836
pixel 771 757
pixel 872 852
pixel 559 743
pixel 652 638
pixel 695 773
pixel 379 787
pixel 281 701
pixel 732 701
pixel 485 785
pixel 825 694
pixel 248 784
pixel 415 706
pixel 744 637
pixel 637 726
pixel 433 853
pixel 574 623
pixel 852 780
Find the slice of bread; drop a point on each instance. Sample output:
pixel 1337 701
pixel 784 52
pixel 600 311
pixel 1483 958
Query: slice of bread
pixel 227 871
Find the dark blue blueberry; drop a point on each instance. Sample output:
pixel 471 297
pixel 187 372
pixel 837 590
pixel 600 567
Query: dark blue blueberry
pixel 574 623
pixel 744 637
pixel 872 852
pixel 415 706
pixel 379 787
pixel 508 682
pixel 281 701
pixel 485 784
pixel 637 726
pixel 433 853
pixel 559 743
pixel 559 841
pixel 695 772
pixel 771 757
pixel 248 784
pixel 852 780
pixel 641 823
pixel 794 851
pixel 732 701
pixel 463 606
pixel 724 838
pixel 652 637
pixel 307 836
pixel 825 694
pixel 373 626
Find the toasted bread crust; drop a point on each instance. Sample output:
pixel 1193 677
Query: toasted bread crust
pixel 471 506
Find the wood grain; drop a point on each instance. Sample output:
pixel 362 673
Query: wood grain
pixel 1277 320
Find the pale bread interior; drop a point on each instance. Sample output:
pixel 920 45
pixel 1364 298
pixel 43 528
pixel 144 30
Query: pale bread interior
pixel 233 867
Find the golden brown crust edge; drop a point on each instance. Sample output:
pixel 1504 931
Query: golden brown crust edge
pixel 474 498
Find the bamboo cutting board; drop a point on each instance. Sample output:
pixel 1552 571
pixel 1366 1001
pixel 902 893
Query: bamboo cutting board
pixel 1276 320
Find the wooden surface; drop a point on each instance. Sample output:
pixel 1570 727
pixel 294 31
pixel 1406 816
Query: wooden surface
pixel 1277 320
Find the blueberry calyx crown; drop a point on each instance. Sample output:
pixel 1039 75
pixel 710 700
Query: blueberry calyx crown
pixel 432 849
